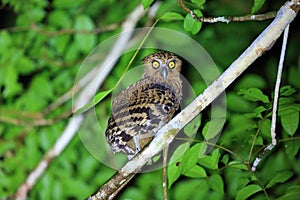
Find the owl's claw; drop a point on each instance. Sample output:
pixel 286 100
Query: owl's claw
pixel 136 143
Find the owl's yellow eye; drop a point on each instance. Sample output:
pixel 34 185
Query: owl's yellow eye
pixel 155 64
pixel 171 64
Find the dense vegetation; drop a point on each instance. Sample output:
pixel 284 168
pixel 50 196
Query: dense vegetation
pixel 44 43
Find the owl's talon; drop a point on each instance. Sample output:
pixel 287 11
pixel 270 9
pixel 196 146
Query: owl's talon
pixel 129 156
pixel 136 143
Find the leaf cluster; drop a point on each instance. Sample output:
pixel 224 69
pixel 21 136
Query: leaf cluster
pixel 43 43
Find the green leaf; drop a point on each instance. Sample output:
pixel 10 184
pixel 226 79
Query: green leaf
pixel 251 81
pixel 190 24
pixel 287 90
pixel 72 53
pixel 85 42
pixel 172 16
pixel 293 76
pixel 191 189
pixel 77 186
pixel 30 148
pixel 25 65
pixel 238 165
pixel 292 148
pixel 257 5
pixel 12 87
pixel 203 150
pixel 216 183
pixel 67 3
pixel 179 152
pixel 292 193
pixel 286 100
pixel 290 122
pixel 5 40
pixel 190 158
pixel 225 159
pixel 242 181
pixel 238 103
pixel 28 101
pixel 41 87
pixel 288 108
pixel 58 188
pixel 173 170
pixel 258 110
pixel 211 161
pixel 37 14
pixel 280 177
pixel 253 94
pixel 265 127
pixel 239 124
pixel 196 172
pixel 186 164
pixel 147 3
pixel 192 127
pixel 199 2
pixel 247 191
pixel 212 128
pixel 95 100
pixel 61 43
pixel 7 146
pixel 60 19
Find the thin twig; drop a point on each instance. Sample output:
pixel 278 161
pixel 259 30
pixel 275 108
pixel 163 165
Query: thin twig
pixel 227 19
pixel 36 28
pixel 35 122
pixel 275 103
pixel 186 9
pixel 85 96
pixel 277 86
pixel 258 130
pixel 167 133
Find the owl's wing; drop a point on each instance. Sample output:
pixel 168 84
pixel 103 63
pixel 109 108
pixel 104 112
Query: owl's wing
pixel 144 111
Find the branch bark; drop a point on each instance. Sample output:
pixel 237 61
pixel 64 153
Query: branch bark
pixel 227 19
pixel 275 103
pixel 166 134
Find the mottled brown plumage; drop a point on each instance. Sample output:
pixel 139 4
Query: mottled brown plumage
pixel 144 107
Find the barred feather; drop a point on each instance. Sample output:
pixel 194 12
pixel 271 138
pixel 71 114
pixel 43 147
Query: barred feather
pixel 144 107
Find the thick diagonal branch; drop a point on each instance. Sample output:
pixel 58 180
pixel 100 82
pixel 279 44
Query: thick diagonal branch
pixel 166 134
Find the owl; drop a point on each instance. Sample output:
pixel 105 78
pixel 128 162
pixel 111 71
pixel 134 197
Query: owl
pixel 141 109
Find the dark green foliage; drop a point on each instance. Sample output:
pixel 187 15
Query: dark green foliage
pixel 42 45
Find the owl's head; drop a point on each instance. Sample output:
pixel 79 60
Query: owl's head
pixel 162 65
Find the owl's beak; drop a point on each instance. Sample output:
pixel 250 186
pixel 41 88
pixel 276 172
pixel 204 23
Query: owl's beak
pixel 164 72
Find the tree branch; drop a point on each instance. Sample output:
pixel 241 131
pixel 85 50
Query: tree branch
pixel 50 33
pixel 167 133
pixel 227 19
pixel 275 103
pixel 258 17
